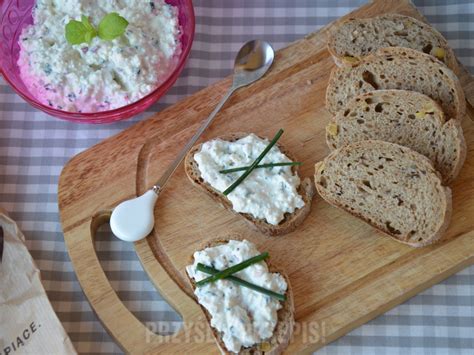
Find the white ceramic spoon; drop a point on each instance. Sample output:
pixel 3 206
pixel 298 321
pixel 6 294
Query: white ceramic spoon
pixel 133 219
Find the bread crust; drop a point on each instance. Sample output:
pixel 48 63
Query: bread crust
pixel 442 226
pixel 284 328
pixel 451 60
pixel 287 225
pixel 462 151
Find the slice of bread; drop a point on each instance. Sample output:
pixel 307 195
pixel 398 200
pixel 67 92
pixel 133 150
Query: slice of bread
pixel 397 68
pixel 391 187
pixel 404 117
pixel 287 225
pixel 354 39
pixel 286 316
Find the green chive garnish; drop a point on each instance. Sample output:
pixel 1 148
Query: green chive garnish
pixel 254 164
pixel 233 269
pixel 238 281
pixel 269 165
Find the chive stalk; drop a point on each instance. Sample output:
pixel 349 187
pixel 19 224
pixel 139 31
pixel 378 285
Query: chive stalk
pixel 233 269
pixel 261 166
pixel 254 164
pixel 239 281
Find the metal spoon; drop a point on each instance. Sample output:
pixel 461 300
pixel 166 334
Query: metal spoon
pixel 133 219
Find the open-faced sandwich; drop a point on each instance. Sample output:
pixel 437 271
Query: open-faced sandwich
pixel 255 178
pixel 248 303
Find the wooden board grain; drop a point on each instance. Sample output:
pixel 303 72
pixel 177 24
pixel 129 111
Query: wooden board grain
pixel 343 272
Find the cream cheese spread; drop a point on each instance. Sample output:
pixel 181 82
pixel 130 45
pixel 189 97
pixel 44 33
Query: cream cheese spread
pixel 102 75
pixel 245 317
pixel 267 193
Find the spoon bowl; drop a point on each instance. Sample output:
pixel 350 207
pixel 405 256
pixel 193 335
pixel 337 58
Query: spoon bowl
pixel 252 62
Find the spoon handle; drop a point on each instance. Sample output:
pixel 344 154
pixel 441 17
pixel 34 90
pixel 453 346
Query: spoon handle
pixel 167 174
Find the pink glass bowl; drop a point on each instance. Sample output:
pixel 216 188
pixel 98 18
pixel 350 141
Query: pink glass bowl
pixel 16 14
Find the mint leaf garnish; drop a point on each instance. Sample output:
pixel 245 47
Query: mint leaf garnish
pixel 112 26
pixel 75 32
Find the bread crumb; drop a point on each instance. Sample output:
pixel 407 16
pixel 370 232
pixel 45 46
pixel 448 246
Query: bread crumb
pixel 265 346
pixel 420 114
pixel 350 59
pixel 332 129
pixel 438 52
pixel 320 167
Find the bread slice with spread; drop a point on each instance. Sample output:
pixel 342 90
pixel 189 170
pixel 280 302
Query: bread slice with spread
pixel 404 117
pixel 273 200
pixel 355 38
pixel 391 187
pixel 397 68
pixel 243 320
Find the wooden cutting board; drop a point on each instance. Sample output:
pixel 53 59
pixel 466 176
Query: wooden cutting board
pixel 343 272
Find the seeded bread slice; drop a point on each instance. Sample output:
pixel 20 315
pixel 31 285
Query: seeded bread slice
pixel 404 117
pixel 391 187
pixel 287 225
pixel 397 68
pixel 354 39
pixel 286 316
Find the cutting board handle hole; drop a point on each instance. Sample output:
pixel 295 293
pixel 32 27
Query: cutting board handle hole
pixel 131 283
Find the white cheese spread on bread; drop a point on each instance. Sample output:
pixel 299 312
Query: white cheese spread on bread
pixel 244 317
pixel 267 193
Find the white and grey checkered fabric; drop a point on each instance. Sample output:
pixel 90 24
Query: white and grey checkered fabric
pixel 34 148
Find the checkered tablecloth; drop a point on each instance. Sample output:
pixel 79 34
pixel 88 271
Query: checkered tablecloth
pixel 34 147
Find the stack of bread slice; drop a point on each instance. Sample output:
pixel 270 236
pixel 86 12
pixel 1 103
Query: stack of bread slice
pixel 395 137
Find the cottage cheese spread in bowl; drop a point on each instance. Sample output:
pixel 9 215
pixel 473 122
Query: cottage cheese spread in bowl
pixel 101 75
